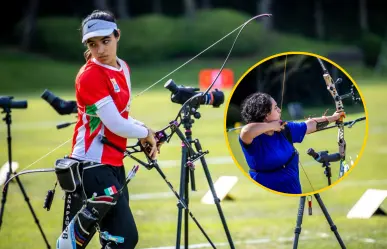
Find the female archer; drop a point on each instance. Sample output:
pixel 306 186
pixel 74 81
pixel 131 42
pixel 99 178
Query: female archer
pixel 103 95
pixel 267 142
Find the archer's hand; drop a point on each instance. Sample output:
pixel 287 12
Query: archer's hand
pixel 159 146
pixel 337 115
pixel 150 145
pixel 158 143
pixel 277 125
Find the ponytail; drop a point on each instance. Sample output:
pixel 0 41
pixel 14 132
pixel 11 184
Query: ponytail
pixel 87 55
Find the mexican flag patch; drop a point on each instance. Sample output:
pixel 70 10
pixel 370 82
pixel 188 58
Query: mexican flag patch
pixel 111 190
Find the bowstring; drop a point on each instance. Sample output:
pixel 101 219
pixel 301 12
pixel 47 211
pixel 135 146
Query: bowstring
pixel 188 61
pixel 307 177
pixel 283 81
pixel 157 82
pixel 282 99
pixel 44 156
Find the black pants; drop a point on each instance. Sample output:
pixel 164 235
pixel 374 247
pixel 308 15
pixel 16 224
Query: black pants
pixel 119 220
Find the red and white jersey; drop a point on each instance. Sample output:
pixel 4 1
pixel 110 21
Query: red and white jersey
pixel 96 85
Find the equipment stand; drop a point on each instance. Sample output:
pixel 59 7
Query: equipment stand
pixel 300 215
pixel 187 172
pixel 8 121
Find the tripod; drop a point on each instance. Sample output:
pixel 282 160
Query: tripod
pixel 300 215
pixel 187 173
pixel 189 156
pixel 8 121
pixel 324 158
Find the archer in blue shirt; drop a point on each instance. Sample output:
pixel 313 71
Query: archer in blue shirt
pixel 267 143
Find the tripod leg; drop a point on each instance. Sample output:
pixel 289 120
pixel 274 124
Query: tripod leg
pixel 9 141
pixel 182 203
pixel 182 192
pixel 7 119
pixel 329 219
pixel 186 200
pixel 216 199
pixel 300 215
pixel 4 198
pixel 32 211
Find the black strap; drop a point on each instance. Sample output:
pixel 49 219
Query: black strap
pixel 288 135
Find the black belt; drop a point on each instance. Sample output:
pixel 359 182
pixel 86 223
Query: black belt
pixel 278 168
pixel 87 164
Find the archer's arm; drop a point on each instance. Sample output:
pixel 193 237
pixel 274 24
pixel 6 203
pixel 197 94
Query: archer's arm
pixel 313 124
pixel 252 130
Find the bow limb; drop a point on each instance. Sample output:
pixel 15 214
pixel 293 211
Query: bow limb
pixel 176 69
pixel 28 172
pixel 240 28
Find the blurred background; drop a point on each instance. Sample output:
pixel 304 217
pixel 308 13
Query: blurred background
pixel 41 49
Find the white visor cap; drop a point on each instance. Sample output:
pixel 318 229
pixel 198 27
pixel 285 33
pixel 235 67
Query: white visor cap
pixel 95 27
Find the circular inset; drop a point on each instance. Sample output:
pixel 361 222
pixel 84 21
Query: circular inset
pixel 293 112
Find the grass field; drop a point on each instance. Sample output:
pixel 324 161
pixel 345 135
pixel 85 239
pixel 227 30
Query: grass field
pixel 256 217
pixel 254 214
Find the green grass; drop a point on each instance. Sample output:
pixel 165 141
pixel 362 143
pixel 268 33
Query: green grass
pixel 254 214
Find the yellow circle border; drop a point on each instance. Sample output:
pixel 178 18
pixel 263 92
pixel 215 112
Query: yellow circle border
pixel 244 75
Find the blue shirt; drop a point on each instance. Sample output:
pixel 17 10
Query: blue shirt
pixel 267 153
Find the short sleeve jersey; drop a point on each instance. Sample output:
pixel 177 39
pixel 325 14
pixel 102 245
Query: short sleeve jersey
pixel 266 154
pixel 96 85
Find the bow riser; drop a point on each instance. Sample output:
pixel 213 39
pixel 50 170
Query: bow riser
pixel 332 89
pixel 339 108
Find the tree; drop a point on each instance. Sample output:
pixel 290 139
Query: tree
pixel 156 6
pixel 319 19
pixel 101 4
pixel 189 9
pixel 206 4
pixel 122 9
pixel 363 15
pixel 264 6
pixel 29 24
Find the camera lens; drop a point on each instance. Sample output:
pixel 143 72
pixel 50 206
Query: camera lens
pixel 48 96
pixel 218 97
pixel 171 86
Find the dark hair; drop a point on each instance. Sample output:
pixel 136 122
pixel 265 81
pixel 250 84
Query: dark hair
pixel 104 15
pixel 256 107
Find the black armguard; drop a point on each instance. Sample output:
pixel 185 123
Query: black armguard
pixel 320 125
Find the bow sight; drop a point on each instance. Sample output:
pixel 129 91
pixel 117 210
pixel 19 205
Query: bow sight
pixel 180 94
pixel 354 95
